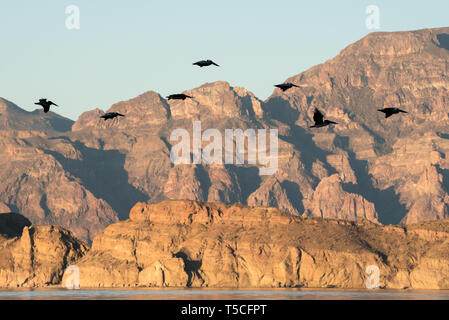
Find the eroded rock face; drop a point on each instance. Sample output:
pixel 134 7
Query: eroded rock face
pixel 36 182
pixel 331 201
pixel 197 244
pixel 34 256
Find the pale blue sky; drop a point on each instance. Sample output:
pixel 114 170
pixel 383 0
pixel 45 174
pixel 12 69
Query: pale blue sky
pixel 125 48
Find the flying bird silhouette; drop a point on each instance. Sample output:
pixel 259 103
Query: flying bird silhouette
pixel 179 96
pixel 391 111
pixel 286 86
pixel 318 117
pixel 205 63
pixel 45 104
pixel 111 115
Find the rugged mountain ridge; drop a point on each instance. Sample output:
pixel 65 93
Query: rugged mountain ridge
pixel 386 170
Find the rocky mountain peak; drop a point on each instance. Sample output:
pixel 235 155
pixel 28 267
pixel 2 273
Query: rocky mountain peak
pixel 216 99
pixel 399 44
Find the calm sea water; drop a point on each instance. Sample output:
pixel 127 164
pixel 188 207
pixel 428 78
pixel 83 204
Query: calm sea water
pixel 215 294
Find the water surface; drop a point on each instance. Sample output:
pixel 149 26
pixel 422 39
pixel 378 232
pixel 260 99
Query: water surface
pixel 220 294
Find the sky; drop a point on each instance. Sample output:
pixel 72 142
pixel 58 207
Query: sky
pixel 125 48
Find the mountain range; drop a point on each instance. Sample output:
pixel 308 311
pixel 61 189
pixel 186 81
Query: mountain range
pixel 88 174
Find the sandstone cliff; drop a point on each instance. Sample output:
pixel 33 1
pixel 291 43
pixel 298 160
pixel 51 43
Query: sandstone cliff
pixel 34 256
pixel 197 244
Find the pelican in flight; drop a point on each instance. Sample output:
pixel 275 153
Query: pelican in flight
pixel 46 104
pixel 318 117
pixel 286 86
pixel 111 115
pixel 179 96
pixel 391 111
pixel 205 63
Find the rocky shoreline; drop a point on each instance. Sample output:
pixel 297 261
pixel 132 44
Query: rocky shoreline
pixel 201 244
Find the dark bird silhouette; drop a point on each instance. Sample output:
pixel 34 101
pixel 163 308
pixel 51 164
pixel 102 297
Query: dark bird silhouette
pixel 286 86
pixel 391 111
pixel 318 117
pixel 111 115
pixel 205 63
pixel 45 104
pixel 179 96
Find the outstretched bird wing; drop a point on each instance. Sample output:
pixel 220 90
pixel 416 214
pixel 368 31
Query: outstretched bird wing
pixel 389 111
pixel 386 111
pixel 282 86
pixel 318 117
